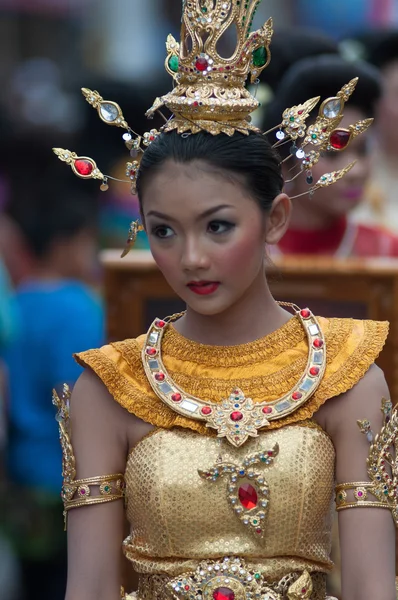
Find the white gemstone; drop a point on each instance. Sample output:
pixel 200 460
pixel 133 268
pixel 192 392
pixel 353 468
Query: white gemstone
pixel 153 338
pixel 280 135
pixel 332 108
pixel 189 406
pixel 109 112
pixel 313 329
pixel 127 137
pixel 300 153
pixel 369 437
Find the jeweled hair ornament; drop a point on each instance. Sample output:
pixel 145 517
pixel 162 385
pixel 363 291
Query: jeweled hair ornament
pixel 210 95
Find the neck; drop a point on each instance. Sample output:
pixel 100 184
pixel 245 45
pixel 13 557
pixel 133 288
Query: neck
pixel 254 316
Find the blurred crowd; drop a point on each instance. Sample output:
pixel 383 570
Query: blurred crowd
pixel 52 225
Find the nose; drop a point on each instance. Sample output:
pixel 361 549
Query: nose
pixel 193 256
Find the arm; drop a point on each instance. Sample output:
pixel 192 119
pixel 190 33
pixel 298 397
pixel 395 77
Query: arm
pixel 95 532
pixel 367 535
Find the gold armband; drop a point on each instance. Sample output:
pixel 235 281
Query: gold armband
pixel 382 468
pixel 79 492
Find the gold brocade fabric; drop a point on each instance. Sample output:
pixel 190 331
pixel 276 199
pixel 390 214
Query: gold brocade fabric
pixel 264 370
pixel 178 519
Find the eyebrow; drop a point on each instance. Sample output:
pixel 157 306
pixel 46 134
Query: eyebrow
pixel 206 213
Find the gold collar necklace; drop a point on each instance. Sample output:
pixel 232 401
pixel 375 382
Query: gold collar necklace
pixel 236 418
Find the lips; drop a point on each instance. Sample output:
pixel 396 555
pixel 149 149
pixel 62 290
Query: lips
pixel 203 288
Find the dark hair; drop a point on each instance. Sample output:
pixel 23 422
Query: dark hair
pixel 246 158
pixel 324 76
pixel 52 209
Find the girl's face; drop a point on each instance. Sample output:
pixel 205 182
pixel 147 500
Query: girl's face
pixel 342 197
pixel 207 235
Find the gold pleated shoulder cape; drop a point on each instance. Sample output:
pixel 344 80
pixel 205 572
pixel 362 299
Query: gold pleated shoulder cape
pixel 178 518
pixel 265 369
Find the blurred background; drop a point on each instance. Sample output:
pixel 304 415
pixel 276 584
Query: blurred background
pixel 53 226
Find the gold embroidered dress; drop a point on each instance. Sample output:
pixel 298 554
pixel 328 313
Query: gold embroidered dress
pixel 192 497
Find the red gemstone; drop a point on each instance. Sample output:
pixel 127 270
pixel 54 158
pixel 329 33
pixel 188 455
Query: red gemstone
pixel 305 313
pixel 223 593
pixel 201 64
pixel 176 397
pixel 267 410
pixel 259 530
pixel 236 416
pixel 297 395
pixel 270 453
pixel 248 496
pixel 196 103
pixel 151 351
pixel 84 167
pixel 318 343
pixel 300 112
pixel 314 371
pixel 187 588
pixel 339 139
pixel 206 410
pixel 159 376
pixel 160 324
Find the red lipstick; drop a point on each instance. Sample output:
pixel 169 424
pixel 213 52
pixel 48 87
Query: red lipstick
pixel 203 288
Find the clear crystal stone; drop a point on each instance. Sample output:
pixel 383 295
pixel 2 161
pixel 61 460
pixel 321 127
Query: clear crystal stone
pixel 332 108
pixel 369 437
pixel 109 112
pixel 127 137
pixel 300 153
pixel 190 406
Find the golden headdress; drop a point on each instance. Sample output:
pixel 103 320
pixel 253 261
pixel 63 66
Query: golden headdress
pixel 210 96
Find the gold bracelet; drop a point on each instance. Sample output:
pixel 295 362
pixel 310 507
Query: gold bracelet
pixel 110 487
pixel 360 499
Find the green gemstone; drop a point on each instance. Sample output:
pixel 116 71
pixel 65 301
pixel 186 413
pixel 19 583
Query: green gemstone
pixel 204 10
pixel 107 488
pixel 173 64
pixel 292 119
pixel 386 492
pixel 257 576
pixel 255 522
pixel 314 136
pixel 260 57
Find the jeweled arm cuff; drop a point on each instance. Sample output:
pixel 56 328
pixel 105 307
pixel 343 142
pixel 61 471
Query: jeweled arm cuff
pixel 106 488
pixel 356 495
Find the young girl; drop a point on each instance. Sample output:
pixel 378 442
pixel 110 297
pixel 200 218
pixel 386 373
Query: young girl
pixel 230 423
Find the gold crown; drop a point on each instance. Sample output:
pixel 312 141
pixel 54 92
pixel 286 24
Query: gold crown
pixel 210 94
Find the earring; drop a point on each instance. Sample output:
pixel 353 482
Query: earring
pixel 135 227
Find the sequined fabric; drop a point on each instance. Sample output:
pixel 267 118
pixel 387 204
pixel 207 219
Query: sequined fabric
pixel 178 519
pixel 264 370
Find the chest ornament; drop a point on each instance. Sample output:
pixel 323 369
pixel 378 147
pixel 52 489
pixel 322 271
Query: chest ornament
pixel 247 490
pixel 236 418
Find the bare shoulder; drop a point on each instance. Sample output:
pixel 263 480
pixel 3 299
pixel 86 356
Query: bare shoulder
pixel 338 416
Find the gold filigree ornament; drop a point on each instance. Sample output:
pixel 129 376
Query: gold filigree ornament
pixel 236 418
pixel 326 180
pixel 135 228
pixel 231 578
pixel 78 492
pixel 382 467
pixel 248 491
pixel 108 111
pixel 210 94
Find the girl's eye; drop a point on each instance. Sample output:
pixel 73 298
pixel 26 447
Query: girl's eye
pixel 162 231
pixel 220 226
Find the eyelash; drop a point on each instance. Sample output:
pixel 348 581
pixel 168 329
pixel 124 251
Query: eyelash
pixel 228 226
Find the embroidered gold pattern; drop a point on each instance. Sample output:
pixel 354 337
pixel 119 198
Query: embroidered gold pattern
pixel 248 492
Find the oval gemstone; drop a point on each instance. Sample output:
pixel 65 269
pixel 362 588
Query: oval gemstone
pixel 84 167
pixel 314 371
pixel 248 496
pixel 176 397
pixel 223 593
pixel 332 108
pixel 305 313
pixel 206 410
pixel 201 64
pixel 159 376
pixel 267 410
pixel 109 112
pixel 236 416
pixel 318 343
pixel 260 57
pixel 339 139
pixel 151 351
pixel 297 396
pixel 173 64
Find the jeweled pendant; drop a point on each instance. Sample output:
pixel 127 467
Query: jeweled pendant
pixel 84 167
pixel 332 108
pixel 339 139
pixel 109 112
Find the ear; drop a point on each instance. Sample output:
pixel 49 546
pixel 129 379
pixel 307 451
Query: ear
pixel 278 219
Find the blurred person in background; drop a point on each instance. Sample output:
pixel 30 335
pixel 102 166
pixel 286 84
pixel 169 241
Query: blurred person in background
pixel 381 206
pixel 322 224
pixel 59 314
